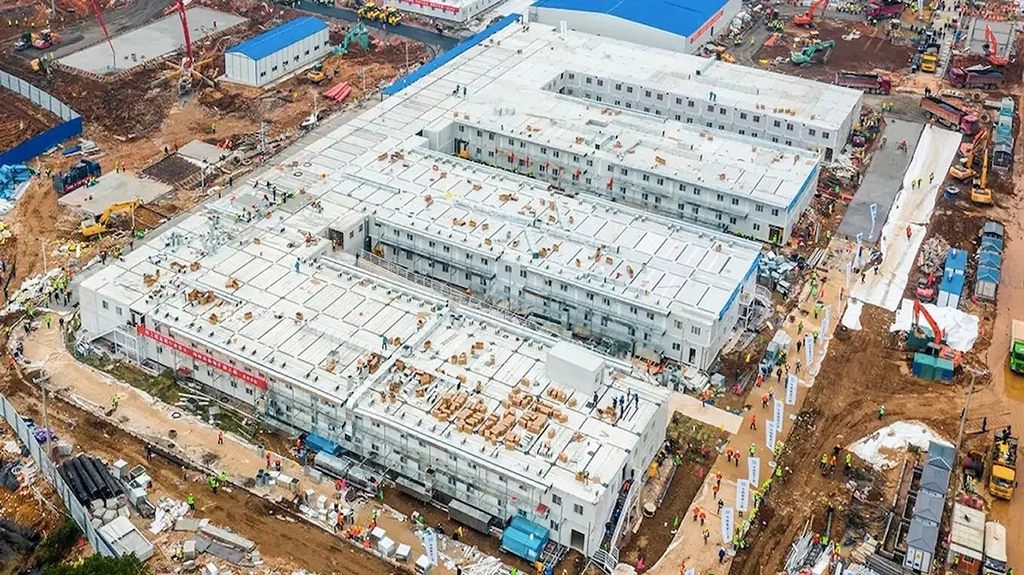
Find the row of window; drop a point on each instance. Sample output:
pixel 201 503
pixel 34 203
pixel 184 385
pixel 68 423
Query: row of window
pixel 284 64
pixel 722 110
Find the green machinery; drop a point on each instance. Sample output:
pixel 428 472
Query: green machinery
pixel 804 56
pixel 359 34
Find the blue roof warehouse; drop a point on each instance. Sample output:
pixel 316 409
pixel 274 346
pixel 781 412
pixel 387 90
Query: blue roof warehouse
pixel 677 25
pixel 277 53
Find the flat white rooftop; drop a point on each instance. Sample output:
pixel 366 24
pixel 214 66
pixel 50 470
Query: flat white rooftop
pixel 316 324
pixel 765 172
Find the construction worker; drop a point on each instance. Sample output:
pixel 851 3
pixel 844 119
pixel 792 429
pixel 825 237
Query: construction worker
pixel 721 503
pixel 213 485
pixel 47 321
pixel 753 450
pixel 753 422
pixel 696 513
pixel 706 533
pixel 881 412
pixel 220 437
pixel 191 500
pixel 223 476
pixel 824 461
pixel 114 401
pixel 931 177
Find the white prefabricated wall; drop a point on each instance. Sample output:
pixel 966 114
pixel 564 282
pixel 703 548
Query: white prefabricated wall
pixel 242 69
pixel 454 11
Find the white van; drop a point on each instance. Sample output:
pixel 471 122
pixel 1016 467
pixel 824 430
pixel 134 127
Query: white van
pixel 995 549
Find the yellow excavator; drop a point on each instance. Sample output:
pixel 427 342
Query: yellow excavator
pixel 965 169
pixel 981 194
pixel 91 229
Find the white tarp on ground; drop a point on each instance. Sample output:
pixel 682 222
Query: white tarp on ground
pixel 879 449
pixel 961 328
pixel 851 317
pixel 934 155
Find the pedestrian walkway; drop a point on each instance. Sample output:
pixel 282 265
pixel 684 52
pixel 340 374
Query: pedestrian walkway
pixel 693 408
pixel 688 549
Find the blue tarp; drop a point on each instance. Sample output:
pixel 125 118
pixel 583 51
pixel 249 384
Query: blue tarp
pixel 10 177
pixel 524 538
pixel 320 443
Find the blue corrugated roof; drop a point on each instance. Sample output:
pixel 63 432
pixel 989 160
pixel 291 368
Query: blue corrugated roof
pixel 680 17
pixel 988 274
pixel 954 285
pixel 956 260
pixel 277 38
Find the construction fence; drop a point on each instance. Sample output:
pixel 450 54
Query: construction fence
pixel 70 126
pixel 49 471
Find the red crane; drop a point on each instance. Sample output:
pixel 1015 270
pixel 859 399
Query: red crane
pixel 187 63
pixel 807 19
pixel 992 49
pixel 103 26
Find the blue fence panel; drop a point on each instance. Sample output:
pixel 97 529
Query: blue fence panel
pixel 36 145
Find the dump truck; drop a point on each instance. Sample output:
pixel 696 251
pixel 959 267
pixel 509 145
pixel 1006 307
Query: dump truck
pixel 929 62
pixel 870 83
pixel 950 116
pixel 1017 347
pixel 77 176
pixel 884 10
pixel 984 79
pixel 1003 479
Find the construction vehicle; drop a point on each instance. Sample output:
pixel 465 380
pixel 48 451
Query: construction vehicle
pixel 870 83
pixel 368 11
pixel 91 229
pixel 805 56
pixel 807 18
pixel 883 10
pixel 77 176
pixel 360 34
pixel 187 63
pixel 965 169
pixel 929 62
pixel 721 54
pixel 984 78
pixel 931 339
pixel 390 16
pixel 981 193
pixel 1017 347
pixel 992 49
pixel 1003 478
pixel 316 74
pixel 951 116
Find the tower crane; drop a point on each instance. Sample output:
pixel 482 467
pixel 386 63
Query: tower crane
pixel 187 63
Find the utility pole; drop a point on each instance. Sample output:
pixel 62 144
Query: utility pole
pixel 362 75
pixel 407 57
pixel 41 380
pixel 975 372
pixel 42 248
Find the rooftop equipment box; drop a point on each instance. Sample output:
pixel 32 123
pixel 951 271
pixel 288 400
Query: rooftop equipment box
pixel 572 366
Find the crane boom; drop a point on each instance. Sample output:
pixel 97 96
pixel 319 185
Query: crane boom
pixel 103 26
pixel 184 30
pixel 814 7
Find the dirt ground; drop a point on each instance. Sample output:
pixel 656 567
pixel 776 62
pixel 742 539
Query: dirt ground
pixel 20 119
pixel 299 546
pixel 861 372
pixel 870 51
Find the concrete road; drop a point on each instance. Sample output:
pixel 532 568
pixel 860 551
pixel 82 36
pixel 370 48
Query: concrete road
pixel 881 182
pixel 411 32
pixel 86 34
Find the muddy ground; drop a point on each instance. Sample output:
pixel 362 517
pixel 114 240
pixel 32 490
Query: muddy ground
pixel 20 119
pixel 862 371
pixel 284 542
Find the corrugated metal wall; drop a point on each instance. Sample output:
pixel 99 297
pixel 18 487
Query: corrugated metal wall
pixel 32 147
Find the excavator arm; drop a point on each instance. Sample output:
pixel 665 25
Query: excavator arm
pixel 919 310
pixel 822 4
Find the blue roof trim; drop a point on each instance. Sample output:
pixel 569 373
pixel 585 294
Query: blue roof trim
pixel 679 17
pixel 277 38
pixel 803 189
pixel 736 292
pixel 459 49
